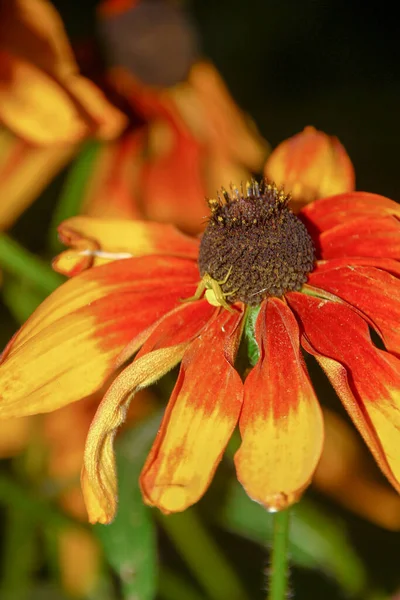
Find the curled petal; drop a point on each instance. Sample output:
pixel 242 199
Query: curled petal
pixel 311 165
pixel 335 210
pixel 70 345
pixel 163 350
pixel 200 418
pixel 374 292
pixel 366 379
pixel 99 241
pixel 371 237
pixel 281 421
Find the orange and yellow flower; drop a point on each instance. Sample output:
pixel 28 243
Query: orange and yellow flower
pixel 81 338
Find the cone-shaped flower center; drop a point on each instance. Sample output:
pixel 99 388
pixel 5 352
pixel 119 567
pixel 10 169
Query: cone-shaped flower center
pixel 254 246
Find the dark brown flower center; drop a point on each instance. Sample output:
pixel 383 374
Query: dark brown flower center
pixel 254 246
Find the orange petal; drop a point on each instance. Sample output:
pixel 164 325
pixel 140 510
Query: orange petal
pixel 346 474
pixel 25 170
pixel 311 165
pixel 99 241
pixel 366 379
pixel 79 556
pixel 70 345
pixel 111 189
pixel 34 30
pixel 281 421
pixel 371 236
pixel 211 113
pixel 336 210
pixel 15 434
pixel 42 110
pixel 162 351
pixel 374 292
pixel 200 418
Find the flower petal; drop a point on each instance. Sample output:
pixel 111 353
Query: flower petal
pixel 99 241
pixel 335 210
pixel 70 345
pixel 311 165
pixel 25 170
pixel 371 236
pixel 281 422
pixel 163 350
pixel 200 418
pixel 374 292
pixel 366 379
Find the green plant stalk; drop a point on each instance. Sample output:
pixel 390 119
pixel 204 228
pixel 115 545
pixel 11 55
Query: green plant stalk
pixel 22 264
pixel 70 200
pixel 202 555
pixel 278 576
pixel 172 587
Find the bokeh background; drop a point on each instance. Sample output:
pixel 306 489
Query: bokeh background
pixel 330 64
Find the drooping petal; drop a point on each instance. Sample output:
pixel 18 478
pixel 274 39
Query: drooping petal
pixel 335 210
pixel 374 292
pixel 366 379
pixel 71 110
pixel 311 165
pixel 111 190
pixel 163 350
pixel 372 237
pixel 200 418
pixel 281 421
pixel 70 345
pixel 99 241
pixel 25 170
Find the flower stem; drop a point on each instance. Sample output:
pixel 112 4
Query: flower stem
pixel 279 561
pixel 22 264
pixel 213 572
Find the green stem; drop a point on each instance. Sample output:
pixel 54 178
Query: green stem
pixel 74 189
pixel 278 577
pixel 21 263
pixel 202 555
pixel 172 587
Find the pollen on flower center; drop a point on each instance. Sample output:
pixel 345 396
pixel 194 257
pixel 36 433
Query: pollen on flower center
pixel 254 246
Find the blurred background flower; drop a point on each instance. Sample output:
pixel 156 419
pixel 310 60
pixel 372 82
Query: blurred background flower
pixel 112 108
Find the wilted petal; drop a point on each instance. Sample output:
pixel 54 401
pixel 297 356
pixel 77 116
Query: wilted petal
pixel 374 292
pixel 98 241
pixel 311 165
pixel 70 345
pixel 162 351
pixel 366 379
pixel 200 418
pixel 281 422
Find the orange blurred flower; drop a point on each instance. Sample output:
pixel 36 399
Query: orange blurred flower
pixel 254 252
pixel 43 98
pixel 311 165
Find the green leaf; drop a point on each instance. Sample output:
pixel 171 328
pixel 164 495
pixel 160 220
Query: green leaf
pixel 130 542
pixel 22 264
pixel 316 540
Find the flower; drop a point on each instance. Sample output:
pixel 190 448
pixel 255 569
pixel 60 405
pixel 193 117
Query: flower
pixel 311 165
pixel 43 97
pixel 84 336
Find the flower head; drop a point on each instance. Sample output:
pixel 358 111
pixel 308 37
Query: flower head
pixel 325 277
